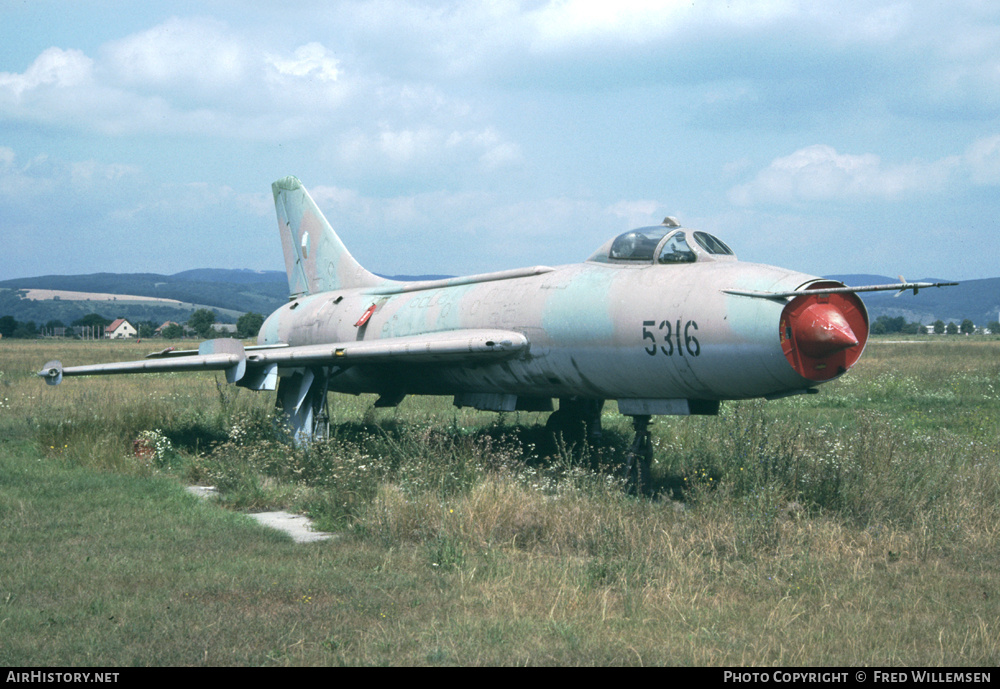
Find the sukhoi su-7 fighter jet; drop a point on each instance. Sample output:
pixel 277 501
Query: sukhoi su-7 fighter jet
pixel 663 319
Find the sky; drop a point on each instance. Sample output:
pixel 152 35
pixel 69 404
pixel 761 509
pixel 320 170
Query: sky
pixel 452 138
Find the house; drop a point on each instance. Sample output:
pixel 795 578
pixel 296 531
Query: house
pixel 172 329
pixel 120 329
pixel 166 324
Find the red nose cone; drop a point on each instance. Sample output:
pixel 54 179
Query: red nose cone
pixel 822 330
pixel 823 335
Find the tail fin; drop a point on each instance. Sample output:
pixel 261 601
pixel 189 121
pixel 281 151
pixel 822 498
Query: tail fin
pixel 315 258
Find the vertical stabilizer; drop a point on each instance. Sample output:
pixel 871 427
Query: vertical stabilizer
pixel 315 258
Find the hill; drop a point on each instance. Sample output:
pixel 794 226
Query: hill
pixel 144 296
pixel 977 300
pixel 223 289
pixel 148 296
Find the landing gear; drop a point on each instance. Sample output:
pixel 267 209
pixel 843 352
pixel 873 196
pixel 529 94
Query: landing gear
pixel 301 402
pixel 639 461
pixel 576 421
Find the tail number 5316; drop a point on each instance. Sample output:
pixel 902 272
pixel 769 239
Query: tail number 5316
pixel 668 337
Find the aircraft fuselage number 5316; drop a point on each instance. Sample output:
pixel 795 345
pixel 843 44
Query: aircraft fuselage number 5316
pixel 669 338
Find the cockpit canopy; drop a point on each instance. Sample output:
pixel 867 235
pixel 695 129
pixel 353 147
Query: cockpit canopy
pixel 663 244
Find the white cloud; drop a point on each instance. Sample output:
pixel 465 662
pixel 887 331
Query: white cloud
pixel 88 172
pixel 405 146
pixel 983 160
pixel 197 77
pixel 819 173
pixel 155 81
pixel 44 174
pixel 570 21
pixel 428 148
pixel 637 213
pixel 311 60
pixel 867 22
pixel 180 53
pixel 561 23
pixel 53 67
pixel 16 185
pixel 183 76
pixel 493 151
pixel 327 196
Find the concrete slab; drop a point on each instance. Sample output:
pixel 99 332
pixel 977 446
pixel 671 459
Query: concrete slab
pixel 202 491
pixel 298 526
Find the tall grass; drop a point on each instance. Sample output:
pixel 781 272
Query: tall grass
pixel 781 532
pixel 867 452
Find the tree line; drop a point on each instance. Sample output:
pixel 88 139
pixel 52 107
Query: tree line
pixel 200 322
pixel 886 325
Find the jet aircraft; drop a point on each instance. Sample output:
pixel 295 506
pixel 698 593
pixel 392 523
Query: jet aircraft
pixel 663 319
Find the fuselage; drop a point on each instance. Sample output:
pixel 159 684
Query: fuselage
pixel 596 330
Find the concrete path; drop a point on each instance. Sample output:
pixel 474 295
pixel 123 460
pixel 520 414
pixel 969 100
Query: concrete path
pixel 297 526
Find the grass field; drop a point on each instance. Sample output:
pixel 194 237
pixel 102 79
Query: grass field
pixel 858 526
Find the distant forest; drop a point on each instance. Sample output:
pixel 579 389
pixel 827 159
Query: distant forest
pixel 228 293
pixel 235 293
pixel 66 311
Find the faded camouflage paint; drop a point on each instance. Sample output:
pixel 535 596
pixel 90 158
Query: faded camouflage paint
pixel 316 260
pixel 657 332
pixel 586 323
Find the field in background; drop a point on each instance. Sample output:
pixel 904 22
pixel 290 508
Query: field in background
pixel 857 526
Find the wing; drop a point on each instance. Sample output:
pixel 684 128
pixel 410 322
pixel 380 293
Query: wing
pixel 899 288
pixel 449 347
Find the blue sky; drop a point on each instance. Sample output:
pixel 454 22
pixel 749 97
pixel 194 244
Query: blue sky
pixel 462 137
